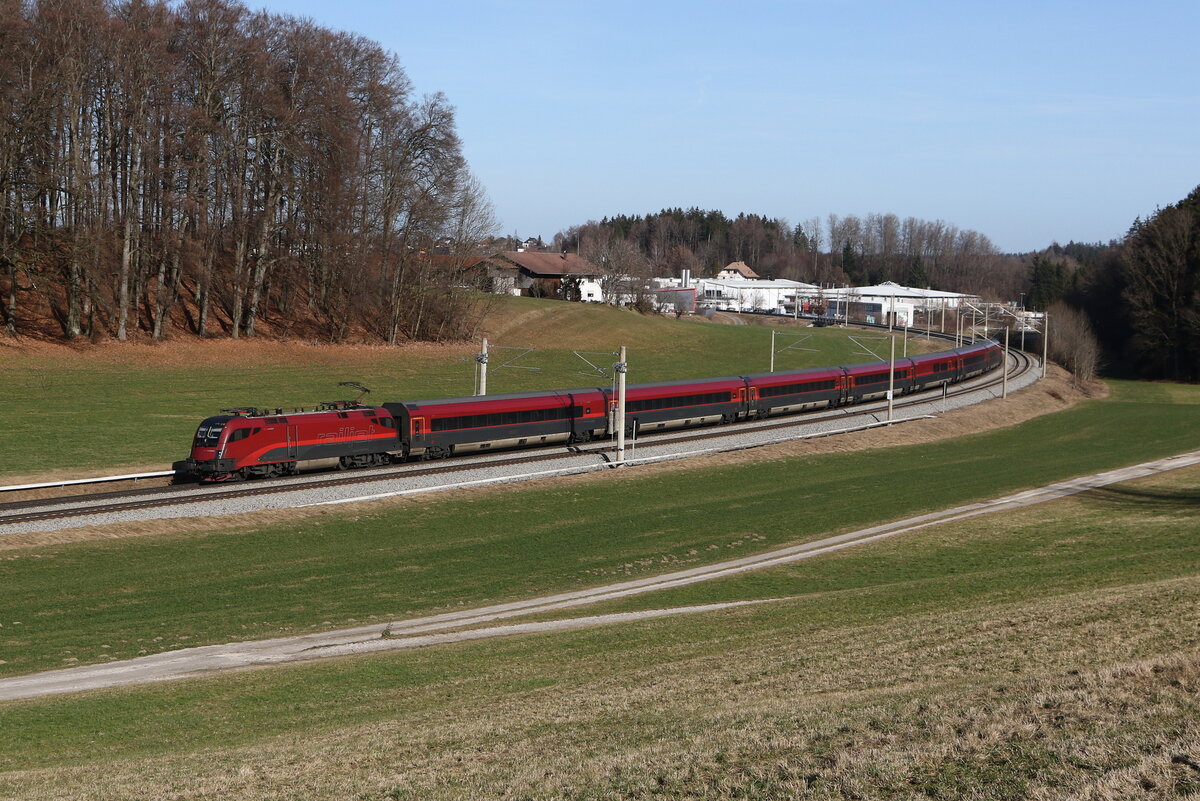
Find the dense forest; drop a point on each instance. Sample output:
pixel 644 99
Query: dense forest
pixel 1141 294
pixel 838 250
pixel 202 167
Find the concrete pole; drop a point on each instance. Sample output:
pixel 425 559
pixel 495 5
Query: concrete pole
pixel 1005 365
pixel 892 380
pixel 943 315
pixel 482 358
pixel 1045 340
pixel 772 351
pixel 621 367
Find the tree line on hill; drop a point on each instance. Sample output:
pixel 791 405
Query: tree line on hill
pixel 203 166
pixel 1140 294
pixel 838 250
pixel 1132 305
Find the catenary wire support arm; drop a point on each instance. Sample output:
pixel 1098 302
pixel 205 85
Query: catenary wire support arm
pixel 860 341
pixel 597 371
pixel 483 360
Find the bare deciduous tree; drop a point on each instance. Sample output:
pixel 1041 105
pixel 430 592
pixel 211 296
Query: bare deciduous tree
pixel 1072 342
pixel 198 164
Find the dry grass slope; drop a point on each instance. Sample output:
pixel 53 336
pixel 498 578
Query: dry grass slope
pixel 992 703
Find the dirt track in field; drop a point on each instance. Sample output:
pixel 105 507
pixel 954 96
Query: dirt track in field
pixel 457 626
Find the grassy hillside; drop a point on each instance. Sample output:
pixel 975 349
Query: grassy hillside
pixel 405 558
pixel 1054 652
pixel 101 408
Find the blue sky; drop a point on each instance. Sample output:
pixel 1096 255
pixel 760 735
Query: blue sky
pixel 1029 122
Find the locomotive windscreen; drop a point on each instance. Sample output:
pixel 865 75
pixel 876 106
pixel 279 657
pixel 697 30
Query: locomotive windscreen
pixel 209 432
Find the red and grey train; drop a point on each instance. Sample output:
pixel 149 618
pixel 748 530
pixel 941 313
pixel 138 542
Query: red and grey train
pixel 246 443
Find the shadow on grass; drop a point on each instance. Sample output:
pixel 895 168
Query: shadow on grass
pixel 1147 499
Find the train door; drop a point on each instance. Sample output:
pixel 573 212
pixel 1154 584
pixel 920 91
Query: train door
pixel 417 431
pixel 293 441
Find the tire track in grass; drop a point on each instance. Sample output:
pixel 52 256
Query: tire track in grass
pixel 451 627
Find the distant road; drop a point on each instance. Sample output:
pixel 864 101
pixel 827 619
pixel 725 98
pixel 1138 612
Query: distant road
pixel 440 629
pixel 732 318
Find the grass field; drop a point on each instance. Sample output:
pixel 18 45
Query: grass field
pixel 164 592
pixel 1048 653
pixel 105 408
pixel 1053 653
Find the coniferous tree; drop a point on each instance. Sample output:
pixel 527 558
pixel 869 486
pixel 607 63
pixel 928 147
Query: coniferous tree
pixel 1047 283
pixel 917 277
pixel 1162 290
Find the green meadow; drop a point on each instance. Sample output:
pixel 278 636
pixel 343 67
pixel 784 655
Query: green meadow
pixel 1049 652
pixel 115 599
pixel 100 411
pixel 1054 649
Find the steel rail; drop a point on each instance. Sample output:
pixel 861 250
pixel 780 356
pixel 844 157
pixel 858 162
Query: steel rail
pixel 148 498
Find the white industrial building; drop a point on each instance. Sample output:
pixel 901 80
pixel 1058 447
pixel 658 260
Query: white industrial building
pixel 878 303
pixel 747 295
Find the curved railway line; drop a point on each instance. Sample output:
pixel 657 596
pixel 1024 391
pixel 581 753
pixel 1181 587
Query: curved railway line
pixel 150 498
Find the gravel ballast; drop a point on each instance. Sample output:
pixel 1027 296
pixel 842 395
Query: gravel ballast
pixel 479 471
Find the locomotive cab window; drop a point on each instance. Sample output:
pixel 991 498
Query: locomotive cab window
pixel 208 434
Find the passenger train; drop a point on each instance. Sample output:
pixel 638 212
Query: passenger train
pixel 249 442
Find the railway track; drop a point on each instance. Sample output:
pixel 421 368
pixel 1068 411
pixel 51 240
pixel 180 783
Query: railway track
pixel 150 498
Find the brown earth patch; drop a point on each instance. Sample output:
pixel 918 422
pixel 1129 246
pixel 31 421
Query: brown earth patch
pixel 219 352
pixel 1054 393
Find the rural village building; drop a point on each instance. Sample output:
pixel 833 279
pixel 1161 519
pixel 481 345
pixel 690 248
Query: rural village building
pixel 736 288
pixel 523 272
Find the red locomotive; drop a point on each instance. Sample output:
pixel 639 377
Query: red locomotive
pixel 250 443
